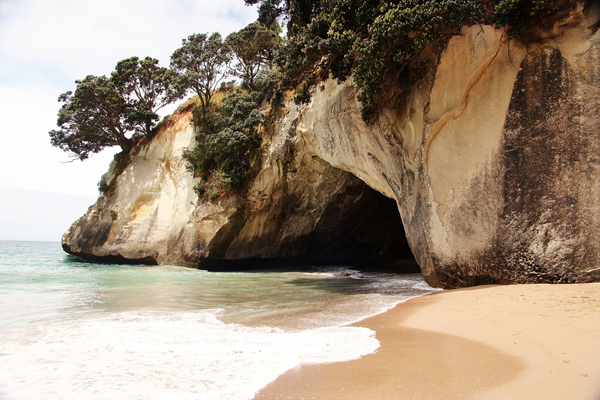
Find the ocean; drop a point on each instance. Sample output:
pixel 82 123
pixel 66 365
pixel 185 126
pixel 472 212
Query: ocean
pixel 73 330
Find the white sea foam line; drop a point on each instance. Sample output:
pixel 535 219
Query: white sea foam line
pixel 149 355
pixel 387 305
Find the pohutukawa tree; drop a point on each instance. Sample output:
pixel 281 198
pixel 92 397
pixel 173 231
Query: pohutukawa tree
pixel 202 63
pixel 92 118
pixel 146 88
pixel 116 111
pixel 253 48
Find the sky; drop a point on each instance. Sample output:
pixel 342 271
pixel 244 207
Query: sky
pixel 45 45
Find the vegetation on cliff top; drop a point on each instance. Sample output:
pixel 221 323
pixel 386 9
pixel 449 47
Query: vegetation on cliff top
pixel 115 111
pixel 227 137
pixel 374 41
pixel 226 143
pixel 201 62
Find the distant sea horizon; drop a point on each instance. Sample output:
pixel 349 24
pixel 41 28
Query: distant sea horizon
pixel 31 215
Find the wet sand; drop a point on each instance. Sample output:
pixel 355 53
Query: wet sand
pixel 489 342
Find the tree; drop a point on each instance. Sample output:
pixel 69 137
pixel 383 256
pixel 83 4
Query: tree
pixel 381 43
pixel 116 111
pixel 377 42
pixel 202 62
pixel 254 49
pixel 297 13
pixel 92 118
pixel 146 88
pixel 396 35
pixel 519 14
pixel 268 10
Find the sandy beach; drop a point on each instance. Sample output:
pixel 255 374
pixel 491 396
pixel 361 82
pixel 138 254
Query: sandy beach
pixel 489 342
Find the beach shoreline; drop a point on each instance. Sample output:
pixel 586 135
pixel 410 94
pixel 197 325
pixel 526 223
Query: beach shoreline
pixel 488 342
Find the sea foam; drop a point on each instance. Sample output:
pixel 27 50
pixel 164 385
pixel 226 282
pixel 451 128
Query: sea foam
pixel 160 355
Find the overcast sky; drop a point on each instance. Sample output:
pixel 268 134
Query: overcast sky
pixel 45 45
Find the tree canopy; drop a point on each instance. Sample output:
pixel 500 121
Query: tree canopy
pixel 92 118
pixel 375 41
pixel 146 87
pixel 116 111
pixel 202 64
pixel 254 49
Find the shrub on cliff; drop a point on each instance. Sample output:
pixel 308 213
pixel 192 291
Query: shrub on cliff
pixel 226 134
pixel 226 143
pixel 115 111
pixel 518 14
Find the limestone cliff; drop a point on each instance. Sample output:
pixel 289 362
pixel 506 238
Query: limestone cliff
pixel 492 161
pixel 299 209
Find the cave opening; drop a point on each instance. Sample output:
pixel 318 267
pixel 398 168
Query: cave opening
pixel 363 229
pixel 357 227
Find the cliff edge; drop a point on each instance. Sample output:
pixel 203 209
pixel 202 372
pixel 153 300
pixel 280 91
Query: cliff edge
pixel 487 171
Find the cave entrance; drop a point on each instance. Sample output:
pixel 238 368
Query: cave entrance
pixel 340 221
pixel 362 228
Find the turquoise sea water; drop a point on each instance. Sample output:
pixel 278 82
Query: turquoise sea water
pixel 73 330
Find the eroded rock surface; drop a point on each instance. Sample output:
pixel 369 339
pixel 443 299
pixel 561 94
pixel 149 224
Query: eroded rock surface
pixel 298 210
pixel 492 161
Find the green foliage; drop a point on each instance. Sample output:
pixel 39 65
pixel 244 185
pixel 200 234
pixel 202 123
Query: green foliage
pixel 298 13
pixel 397 34
pixel 115 111
pixel 92 118
pixel 269 87
pixel 227 141
pixel 146 88
pixel 302 95
pixel 268 10
pixel 201 62
pixel 518 14
pixel 103 185
pixel 371 40
pixel 377 41
pixel 254 48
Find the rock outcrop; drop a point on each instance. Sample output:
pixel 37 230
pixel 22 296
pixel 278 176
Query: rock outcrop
pixel 299 210
pixel 491 160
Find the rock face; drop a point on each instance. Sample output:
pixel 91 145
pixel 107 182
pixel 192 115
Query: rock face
pixel 148 207
pixel 492 162
pixel 299 209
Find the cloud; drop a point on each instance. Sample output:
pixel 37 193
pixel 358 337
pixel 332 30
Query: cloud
pixel 28 161
pixel 45 45
pixel 82 37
